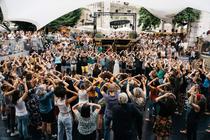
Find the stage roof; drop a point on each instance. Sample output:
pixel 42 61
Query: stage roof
pixel 42 12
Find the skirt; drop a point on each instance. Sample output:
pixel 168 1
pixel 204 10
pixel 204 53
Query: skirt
pixel 162 126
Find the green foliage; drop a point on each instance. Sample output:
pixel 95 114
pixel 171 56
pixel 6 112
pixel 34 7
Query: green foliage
pixel 69 19
pixel 148 20
pixel 133 35
pixel 99 35
pixel 186 16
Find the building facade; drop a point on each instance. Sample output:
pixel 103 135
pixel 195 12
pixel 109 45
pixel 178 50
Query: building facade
pixel 108 22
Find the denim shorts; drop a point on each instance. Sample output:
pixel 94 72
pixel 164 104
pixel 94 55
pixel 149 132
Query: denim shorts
pixel 2 99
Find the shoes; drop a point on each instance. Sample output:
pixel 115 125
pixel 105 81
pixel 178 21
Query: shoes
pixel 14 134
pixel 3 118
pixel 208 130
pixel 54 136
pixel 183 131
pixel 178 113
pixel 147 119
pixel 8 131
pixel 207 113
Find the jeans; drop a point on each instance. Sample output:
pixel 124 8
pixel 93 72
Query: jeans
pixel 11 118
pixel 107 123
pixel 138 126
pixel 23 126
pixel 64 123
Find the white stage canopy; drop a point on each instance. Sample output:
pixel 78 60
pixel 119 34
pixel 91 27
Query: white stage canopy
pixel 42 12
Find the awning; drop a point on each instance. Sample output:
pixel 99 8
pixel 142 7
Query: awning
pixel 42 12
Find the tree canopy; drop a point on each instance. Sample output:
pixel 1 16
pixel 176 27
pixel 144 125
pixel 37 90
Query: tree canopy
pixel 148 20
pixel 186 16
pixel 69 19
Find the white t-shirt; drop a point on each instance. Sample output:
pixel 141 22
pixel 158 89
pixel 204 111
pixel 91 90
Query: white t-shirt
pixel 20 108
pixel 83 97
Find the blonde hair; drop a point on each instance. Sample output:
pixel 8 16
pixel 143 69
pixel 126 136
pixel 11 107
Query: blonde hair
pixel 137 91
pixel 123 98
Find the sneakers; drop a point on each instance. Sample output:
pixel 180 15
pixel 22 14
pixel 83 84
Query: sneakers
pixel 178 113
pixel 14 134
pixel 8 131
pixel 3 118
pixel 54 136
pixel 183 131
pixel 207 113
pixel 208 130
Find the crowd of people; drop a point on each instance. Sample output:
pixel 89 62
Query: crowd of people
pixel 77 91
pixel 19 41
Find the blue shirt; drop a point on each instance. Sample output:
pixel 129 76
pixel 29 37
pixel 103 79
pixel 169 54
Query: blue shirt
pixel 58 60
pixel 206 83
pixel 45 102
pixel 111 101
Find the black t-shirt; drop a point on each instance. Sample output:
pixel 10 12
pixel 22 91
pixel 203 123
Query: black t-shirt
pixel 84 61
pixel 124 118
pixel 63 62
pixel 123 65
pixel 167 107
pixel 96 72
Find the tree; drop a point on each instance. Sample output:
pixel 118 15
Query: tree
pixel 148 20
pixel 186 17
pixel 69 19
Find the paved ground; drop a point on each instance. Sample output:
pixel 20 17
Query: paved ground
pixel 178 124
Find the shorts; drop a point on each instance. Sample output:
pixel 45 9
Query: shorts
pixel 63 68
pixel 73 67
pixel 48 117
pixel 84 69
pixel 2 100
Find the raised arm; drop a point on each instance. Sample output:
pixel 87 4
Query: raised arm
pixel 70 100
pixel 149 84
pixel 144 81
pixel 159 88
pixel 25 95
pixel 98 107
pixel 75 108
pixel 128 90
pixel 164 96
pixel 102 88
pixel 76 86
